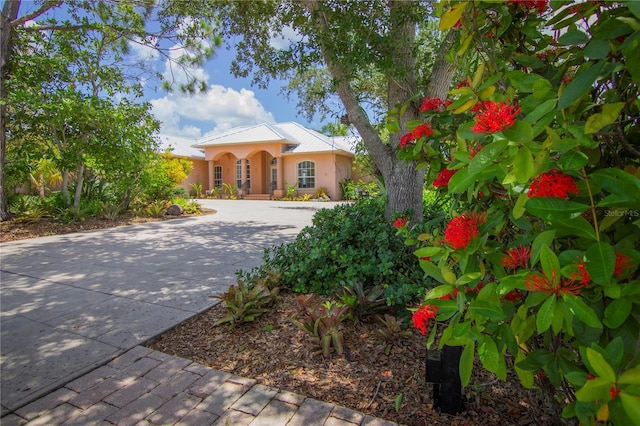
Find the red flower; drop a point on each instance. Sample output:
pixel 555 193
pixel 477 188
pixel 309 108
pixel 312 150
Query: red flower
pixel 406 139
pixel 443 178
pixel 541 282
pixel 614 391
pixel 622 262
pixel 541 5
pixel 422 130
pixel 553 183
pixel 462 229
pixel 434 104
pixel 582 274
pixel 400 222
pixel 450 296
pixel 494 117
pixel 422 316
pixel 516 257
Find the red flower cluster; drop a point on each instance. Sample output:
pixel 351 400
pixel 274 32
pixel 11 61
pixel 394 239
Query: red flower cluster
pixel 541 5
pixel 582 274
pixel 554 184
pixel 443 178
pixel 462 229
pixel 516 257
pixel 550 286
pixel 422 316
pixel 420 131
pixel 614 392
pixel 494 116
pixel 434 104
pixel 623 262
pixel 400 222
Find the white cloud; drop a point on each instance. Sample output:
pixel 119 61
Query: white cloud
pixel 220 108
pixel 283 40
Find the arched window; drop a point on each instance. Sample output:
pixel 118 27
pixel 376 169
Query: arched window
pixel 306 175
pixel 239 174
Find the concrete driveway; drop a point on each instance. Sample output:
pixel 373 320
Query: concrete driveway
pixel 73 302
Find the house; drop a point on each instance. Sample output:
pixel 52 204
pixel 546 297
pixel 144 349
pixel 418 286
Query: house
pixel 263 160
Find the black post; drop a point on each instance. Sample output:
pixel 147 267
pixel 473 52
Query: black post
pixel 442 369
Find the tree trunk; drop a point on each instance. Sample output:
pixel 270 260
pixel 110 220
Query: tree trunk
pixel 404 184
pixel 9 14
pixel 64 187
pixel 79 183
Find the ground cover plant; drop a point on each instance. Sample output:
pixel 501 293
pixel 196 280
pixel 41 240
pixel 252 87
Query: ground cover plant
pixel 538 274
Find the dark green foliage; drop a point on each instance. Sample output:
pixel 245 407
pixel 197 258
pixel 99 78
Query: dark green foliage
pixel 349 244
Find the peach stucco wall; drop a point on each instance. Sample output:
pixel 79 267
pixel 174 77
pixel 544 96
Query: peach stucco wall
pixel 330 168
pixel 199 174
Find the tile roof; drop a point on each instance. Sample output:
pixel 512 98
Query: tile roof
pixel 300 139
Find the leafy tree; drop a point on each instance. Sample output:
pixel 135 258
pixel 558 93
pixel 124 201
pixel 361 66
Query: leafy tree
pixel 363 46
pixel 92 43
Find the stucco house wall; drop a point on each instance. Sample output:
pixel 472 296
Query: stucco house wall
pixel 268 156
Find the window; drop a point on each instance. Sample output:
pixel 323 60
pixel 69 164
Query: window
pixel 306 174
pixel 239 174
pixel 217 176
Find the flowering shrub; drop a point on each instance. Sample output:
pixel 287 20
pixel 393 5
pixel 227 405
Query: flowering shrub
pixel 543 138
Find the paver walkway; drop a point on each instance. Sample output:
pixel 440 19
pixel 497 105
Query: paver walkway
pixel 75 308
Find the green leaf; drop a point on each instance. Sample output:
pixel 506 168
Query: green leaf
pixel 608 116
pixel 634 7
pixel 632 56
pixel 631 404
pixel 601 259
pixel 525 376
pixel 439 291
pixel 600 366
pixel 466 362
pixel 630 377
pixel 597 49
pixel 554 208
pixel 523 165
pixel 467 278
pixel 540 111
pixel 596 389
pixel 491 358
pixel 518 208
pixel 573 37
pixel 520 132
pixel 428 251
pixel 578 226
pixel 487 309
pixel 521 81
pixel 549 262
pixel 580 85
pixel 544 239
pixel 545 314
pixel 461 181
pixel 582 312
pixel 573 160
pixel 486 156
pixel 617 313
pixel 432 271
pixel 619 182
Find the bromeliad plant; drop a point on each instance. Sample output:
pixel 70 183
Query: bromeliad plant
pixel 246 301
pixel 542 140
pixel 323 323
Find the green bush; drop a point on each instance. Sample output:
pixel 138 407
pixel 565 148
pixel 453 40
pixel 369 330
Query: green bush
pixel 345 245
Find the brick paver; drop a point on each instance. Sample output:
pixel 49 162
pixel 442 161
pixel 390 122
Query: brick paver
pixel 144 387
